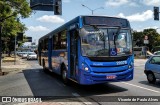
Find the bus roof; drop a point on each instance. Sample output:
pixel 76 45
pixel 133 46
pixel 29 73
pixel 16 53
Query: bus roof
pixel 76 19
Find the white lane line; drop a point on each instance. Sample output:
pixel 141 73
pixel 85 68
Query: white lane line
pixel 81 99
pixel 141 87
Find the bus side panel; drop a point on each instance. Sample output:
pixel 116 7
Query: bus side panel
pixel 46 59
pixel 57 60
pixel 46 56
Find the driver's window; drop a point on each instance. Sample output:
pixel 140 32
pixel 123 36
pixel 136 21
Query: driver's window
pixel 155 60
pixel 152 61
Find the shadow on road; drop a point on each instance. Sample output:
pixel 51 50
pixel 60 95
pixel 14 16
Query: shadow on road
pixel 49 85
pixel 157 84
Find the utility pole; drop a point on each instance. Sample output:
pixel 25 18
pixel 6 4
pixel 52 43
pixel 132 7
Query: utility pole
pixel 0 46
pixel 15 40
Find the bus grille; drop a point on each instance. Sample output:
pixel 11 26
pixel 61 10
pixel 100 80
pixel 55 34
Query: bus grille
pixel 119 77
pixel 108 72
pixel 109 69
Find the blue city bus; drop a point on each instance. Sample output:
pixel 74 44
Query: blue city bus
pixel 89 50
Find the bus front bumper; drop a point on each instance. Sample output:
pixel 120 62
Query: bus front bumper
pixel 96 78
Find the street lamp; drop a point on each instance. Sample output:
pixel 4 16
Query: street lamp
pixel 92 10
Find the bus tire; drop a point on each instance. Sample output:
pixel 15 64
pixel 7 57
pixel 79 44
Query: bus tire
pixel 151 78
pixel 64 75
pixel 44 68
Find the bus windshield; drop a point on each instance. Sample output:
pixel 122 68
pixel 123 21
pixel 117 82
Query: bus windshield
pixel 98 41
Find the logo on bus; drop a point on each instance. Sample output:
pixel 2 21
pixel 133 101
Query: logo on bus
pixel 98 64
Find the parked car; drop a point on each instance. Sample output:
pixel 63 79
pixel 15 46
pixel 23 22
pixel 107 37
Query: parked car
pixel 24 55
pixel 152 68
pixel 20 54
pixel 157 53
pixel 32 55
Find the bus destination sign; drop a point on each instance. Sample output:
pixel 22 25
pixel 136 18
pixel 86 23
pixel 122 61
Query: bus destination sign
pixel 107 21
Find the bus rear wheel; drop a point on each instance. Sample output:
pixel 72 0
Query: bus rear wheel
pixel 44 68
pixel 64 75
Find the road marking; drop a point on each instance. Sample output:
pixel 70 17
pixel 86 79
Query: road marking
pixel 81 99
pixel 141 87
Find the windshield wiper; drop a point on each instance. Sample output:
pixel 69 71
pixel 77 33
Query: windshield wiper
pixel 100 34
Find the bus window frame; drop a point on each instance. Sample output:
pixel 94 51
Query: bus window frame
pixel 57 41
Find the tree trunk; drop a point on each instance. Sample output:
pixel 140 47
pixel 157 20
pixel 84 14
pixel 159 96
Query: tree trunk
pixel 9 53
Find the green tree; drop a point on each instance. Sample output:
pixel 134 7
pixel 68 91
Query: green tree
pixel 138 38
pixel 153 37
pixel 10 11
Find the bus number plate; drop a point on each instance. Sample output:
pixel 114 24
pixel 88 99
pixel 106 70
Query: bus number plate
pixel 111 77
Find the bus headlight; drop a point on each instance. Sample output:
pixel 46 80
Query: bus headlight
pixel 131 65
pixel 85 67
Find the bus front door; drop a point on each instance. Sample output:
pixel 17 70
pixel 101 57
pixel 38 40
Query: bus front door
pixel 73 53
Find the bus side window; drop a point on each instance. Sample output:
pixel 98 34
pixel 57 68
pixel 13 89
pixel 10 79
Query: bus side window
pixel 60 40
pixel 43 46
pixel 58 44
pixel 46 44
pixel 55 41
pixel 63 40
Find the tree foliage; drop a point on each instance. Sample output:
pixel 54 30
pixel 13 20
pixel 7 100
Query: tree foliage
pixel 10 12
pixel 153 37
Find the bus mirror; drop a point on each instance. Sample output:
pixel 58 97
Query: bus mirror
pixel 83 32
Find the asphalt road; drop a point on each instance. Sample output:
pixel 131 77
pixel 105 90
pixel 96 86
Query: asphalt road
pixel 34 82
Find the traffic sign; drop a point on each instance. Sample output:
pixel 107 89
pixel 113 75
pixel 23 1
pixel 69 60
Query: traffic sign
pixel 42 5
pixel 146 41
pixel 28 39
pixel 47 5
pixel 20 36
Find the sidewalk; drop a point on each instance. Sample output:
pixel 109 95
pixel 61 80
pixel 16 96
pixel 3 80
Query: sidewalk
pixel 14 66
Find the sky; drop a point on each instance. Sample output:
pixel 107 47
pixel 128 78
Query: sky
pixel 138 12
